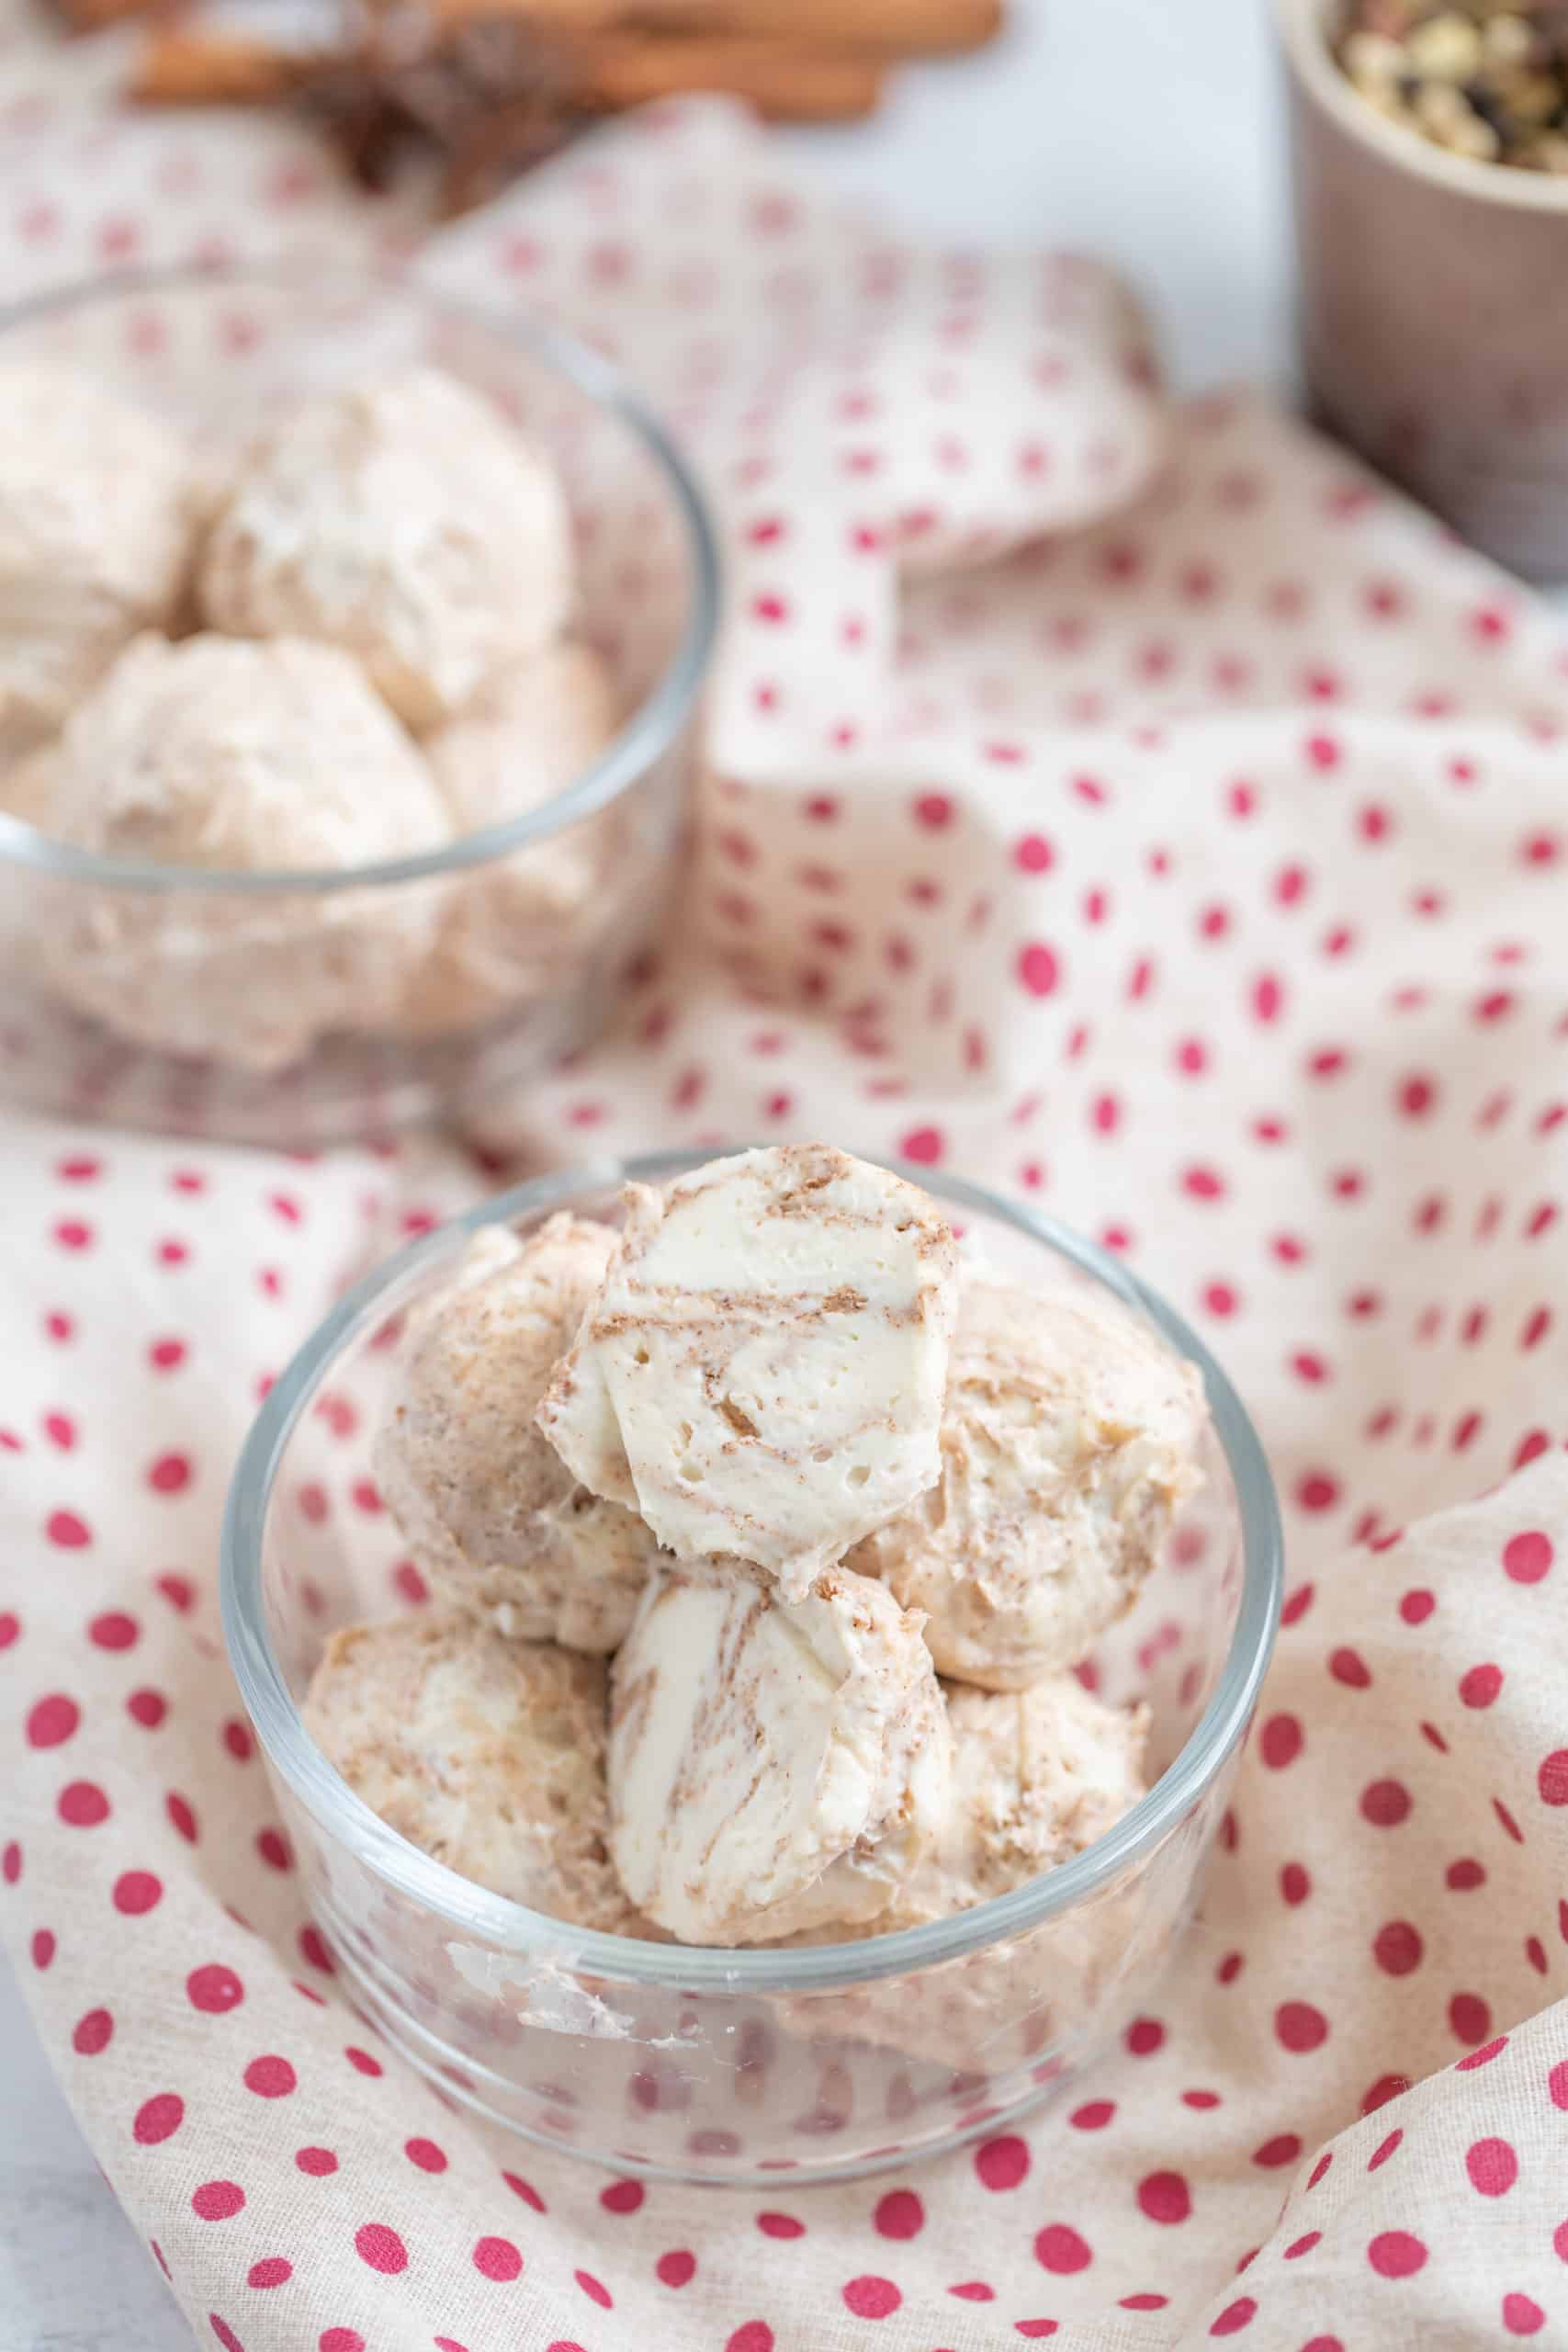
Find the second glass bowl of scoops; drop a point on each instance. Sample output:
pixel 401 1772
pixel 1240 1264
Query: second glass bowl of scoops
pixel 203 999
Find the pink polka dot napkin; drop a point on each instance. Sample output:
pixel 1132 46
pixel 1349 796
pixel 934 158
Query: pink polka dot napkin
pixel 1141 809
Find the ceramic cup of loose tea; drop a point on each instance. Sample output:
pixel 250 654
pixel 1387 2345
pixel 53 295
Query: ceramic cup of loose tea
pixel 1430 157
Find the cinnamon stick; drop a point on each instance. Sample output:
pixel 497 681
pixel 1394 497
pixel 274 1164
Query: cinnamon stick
pixel 786 81
pixel 218 70
pixel 605 74
pixel 900 28
pixel 91 16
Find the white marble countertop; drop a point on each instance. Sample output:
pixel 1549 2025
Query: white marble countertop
pixel 1141 131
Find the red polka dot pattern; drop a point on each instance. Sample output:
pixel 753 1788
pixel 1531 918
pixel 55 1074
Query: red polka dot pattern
pixel 495 2258
pixel 136 1892
pixel 1492 2165
pixel 1480 1685
pixel 1299 2026
pixel 217 2201
pixel 1279 1741
pixel 1527 1556
pixel 1396 2254
pixel 1165 2196
pixel 1289 1038
pixel 158 2118
pixel 271 2077
pixel 1469 2017
pixel 1397 1948
pixel 91 2033
pixel 1002 2163
pixel 899 2214
pixel 1385 1804
pixel 112 1629
pixel 380 2247
pixel 871 2298
pixel 51 1721
pixel 214 1989
pixel 83 1804
pixel 1060 2248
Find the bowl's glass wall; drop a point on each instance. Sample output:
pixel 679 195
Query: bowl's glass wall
pixel 214 1011
pixel 714 2078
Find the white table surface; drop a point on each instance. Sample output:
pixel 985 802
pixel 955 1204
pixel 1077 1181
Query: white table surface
pixel 1136 129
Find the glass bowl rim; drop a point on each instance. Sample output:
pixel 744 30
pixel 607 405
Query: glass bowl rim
pixel 646 735
pixel 346 1818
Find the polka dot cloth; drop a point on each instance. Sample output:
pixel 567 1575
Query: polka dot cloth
pixel 1146 812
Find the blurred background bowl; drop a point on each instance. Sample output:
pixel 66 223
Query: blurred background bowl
pixel 218 352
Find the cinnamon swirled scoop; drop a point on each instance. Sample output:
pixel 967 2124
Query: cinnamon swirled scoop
pixel 1070 1438
pixel 488 1754
pixel 494 1519
pixel 762 1372
pixel 774 1766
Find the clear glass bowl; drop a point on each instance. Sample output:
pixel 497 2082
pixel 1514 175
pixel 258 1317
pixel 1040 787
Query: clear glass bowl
pixel 737 2065
pixel 137 993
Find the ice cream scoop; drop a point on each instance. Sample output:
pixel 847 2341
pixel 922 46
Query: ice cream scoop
pixel 762 1371
pixel 220 755
pixel 487 1754
pixel 517 928
pixel 774 1767
pixel 30 787
pixel 1037 1776
pixel 1070 1437
pixel 98 509
pixel 405 521
pixel 526 733
pixel 494 1516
